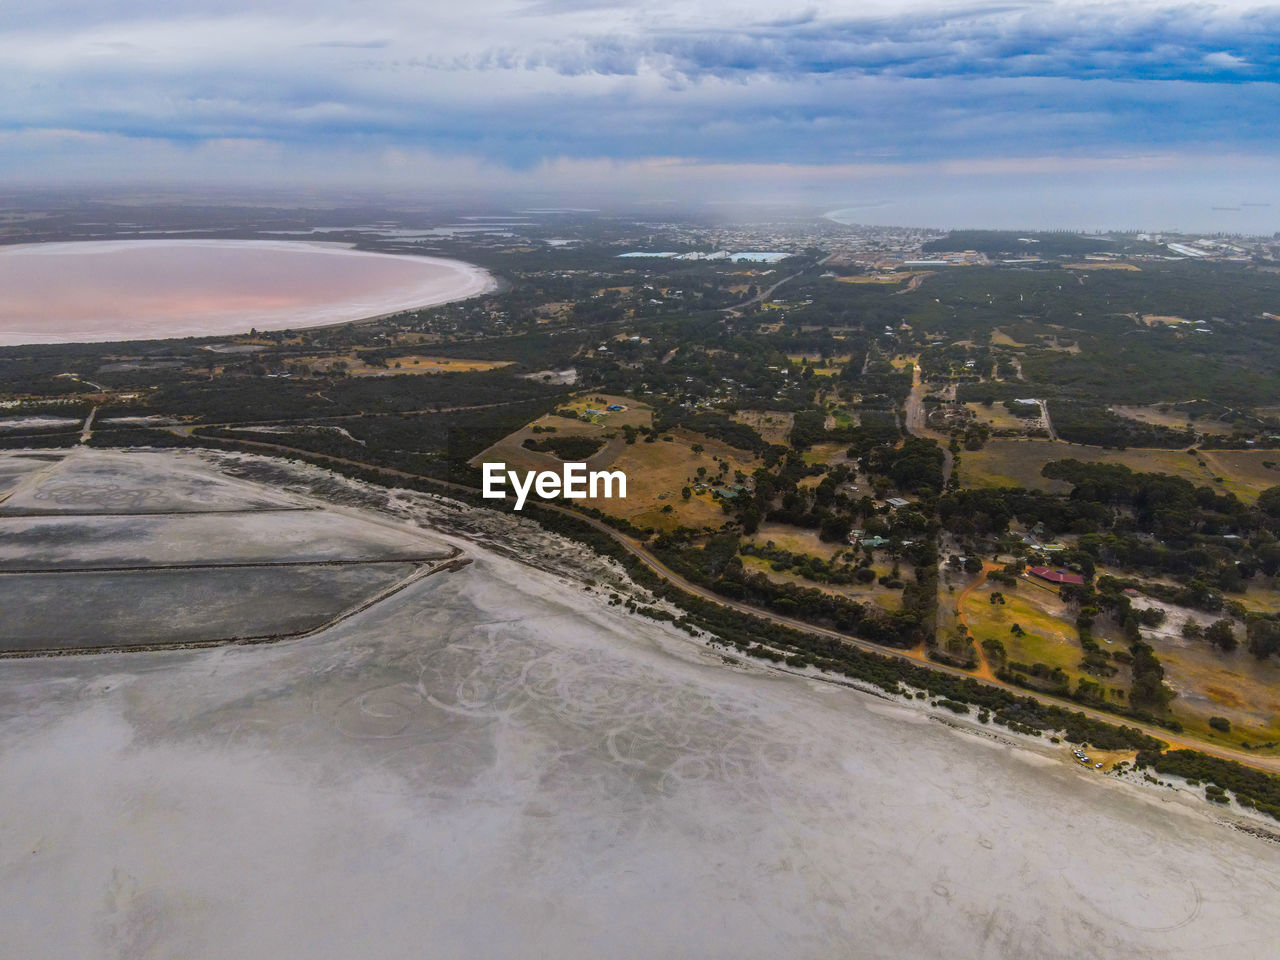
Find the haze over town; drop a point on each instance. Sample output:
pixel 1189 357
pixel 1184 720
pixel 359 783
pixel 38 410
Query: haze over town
pixel 1118 115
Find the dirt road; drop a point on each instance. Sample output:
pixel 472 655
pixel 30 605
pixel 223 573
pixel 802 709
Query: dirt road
pixel 87 430
pixel 736 310
pixel 917 424
pixel 1048 424
pixel 984 670
pixel 1270 764
pixel 912 284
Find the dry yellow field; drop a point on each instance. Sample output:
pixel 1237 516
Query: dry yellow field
pixel 1210 684
pixel 880 278
pixel 1006 463
pixel 558 310
pixel 1001 339
pixel 1244 472
pixel 1013 463
pixel 1103 265
pixel 511 451
pixel 997 416
pixel 826 453
pixel 773 425
pixel 656 472
pixel 1207 683
pixel 873 592
pixel 795 540
pixel 402 365
pixel 1262 598
pixel 821 368
pixel 1172 418
pixel 636 414
pixel 1154 319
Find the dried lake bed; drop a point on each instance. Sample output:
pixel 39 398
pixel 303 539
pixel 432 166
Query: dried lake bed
pixel 148 289
pixel 495 762
pixel 111 549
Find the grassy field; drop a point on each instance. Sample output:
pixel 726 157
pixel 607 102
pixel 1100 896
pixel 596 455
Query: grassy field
pixel 842 417
pixel 948 593
pixel 635 415
pixel 1103 265
pixel 1001 339
pixel 796 540
pixel 1236 686
pixel 1006 463
pixel 1208 684
pixel 826 453
pixel 821 368
pixel 603 425
pixel 656 472
pixel 1172 418
pixel 1244 472
pixel 881 278
pixel 1050 633
pixel 402 365
pixel 997 416
pixel 873 592
pixel 1013 463
pixel 1263 598
pixel 773 425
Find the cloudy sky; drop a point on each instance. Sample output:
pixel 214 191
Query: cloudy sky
pixel 1004 113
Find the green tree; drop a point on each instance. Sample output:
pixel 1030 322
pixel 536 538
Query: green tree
pixel 1269 501
pixel 1222 636
pixel 1149 689
pixel 1264 637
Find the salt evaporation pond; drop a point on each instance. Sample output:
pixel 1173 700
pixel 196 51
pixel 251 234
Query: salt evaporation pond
pixel 148 289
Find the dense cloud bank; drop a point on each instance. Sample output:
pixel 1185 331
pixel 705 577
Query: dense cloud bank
pixel 536 93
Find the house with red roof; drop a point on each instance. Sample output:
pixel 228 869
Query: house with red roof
pixel 1055 576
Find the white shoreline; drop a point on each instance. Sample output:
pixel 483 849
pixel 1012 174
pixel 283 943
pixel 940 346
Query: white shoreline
pixel 506 742
pixel 463 281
